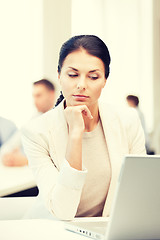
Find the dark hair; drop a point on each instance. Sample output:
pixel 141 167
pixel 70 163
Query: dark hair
pixel 61 97
pixel 92 44
pixel 134 99
pixel 46 83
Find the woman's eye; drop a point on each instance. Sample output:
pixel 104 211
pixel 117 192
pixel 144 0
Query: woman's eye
pixel 93 77
pixel 72 75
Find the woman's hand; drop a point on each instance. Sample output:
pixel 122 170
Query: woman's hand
pixel 75 118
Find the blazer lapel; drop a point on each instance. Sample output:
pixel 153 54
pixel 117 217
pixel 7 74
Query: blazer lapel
pixel 113 135
pixel 58 136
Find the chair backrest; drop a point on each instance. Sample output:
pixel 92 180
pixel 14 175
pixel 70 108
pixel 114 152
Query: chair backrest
pixel 15 207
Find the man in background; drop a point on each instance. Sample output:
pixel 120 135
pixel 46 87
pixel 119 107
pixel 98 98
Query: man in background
pixel 133 101
pixel 43 95
pixel 11 152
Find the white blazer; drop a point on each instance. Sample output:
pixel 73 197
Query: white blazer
pixel 45 140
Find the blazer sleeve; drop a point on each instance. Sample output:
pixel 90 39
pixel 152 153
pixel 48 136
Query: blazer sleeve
pixel 60 188
pixel 135 132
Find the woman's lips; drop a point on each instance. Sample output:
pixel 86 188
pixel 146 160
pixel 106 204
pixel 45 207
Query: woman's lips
pixel 80 97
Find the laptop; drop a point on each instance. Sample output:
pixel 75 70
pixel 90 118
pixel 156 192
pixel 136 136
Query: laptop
pixel 135 212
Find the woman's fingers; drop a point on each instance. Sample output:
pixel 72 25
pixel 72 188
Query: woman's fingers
pixel 75 117
pixel 83 109
pixel 87 113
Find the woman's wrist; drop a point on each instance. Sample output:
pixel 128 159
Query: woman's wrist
pixel 75 134
pixel 74 149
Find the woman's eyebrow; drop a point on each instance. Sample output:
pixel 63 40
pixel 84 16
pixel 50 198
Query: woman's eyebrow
pixel 94 70
pixel 73 69
pixel 89 71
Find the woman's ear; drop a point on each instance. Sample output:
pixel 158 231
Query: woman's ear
pixel 104 82
pixel 59 79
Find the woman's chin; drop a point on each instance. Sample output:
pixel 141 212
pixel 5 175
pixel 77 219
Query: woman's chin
pixel 76 103
pixel 79 103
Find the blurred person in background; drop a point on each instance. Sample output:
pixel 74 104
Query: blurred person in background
pixel 7 129
pixel 12 153
pixel 156 139
pixel 133 101
pixel 43 95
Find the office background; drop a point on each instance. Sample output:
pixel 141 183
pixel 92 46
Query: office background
pixel 32 32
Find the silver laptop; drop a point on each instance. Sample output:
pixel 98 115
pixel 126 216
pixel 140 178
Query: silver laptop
pixel 135 212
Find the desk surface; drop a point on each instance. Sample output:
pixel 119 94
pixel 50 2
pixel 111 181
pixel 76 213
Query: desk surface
pixel 15 179
pixel 36 229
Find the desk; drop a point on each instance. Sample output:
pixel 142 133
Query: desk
pixel 36 229
pixel 15 179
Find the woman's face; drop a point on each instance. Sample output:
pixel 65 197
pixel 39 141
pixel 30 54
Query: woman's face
pixel 82 78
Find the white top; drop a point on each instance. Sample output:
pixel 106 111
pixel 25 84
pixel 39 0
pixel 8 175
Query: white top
pixel 96 160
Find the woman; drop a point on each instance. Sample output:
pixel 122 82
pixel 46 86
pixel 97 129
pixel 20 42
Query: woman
pixel 76 149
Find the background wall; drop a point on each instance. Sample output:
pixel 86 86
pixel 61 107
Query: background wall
pixel 56 30
pixel 18 57
pixel 126 28
pixel 32 32
pixel 88 17
pixel 156 74
pixel 129 36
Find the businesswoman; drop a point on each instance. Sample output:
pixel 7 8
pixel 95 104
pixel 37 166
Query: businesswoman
pixel 76 149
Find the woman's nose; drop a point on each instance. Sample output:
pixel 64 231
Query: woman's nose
pixel 81 83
